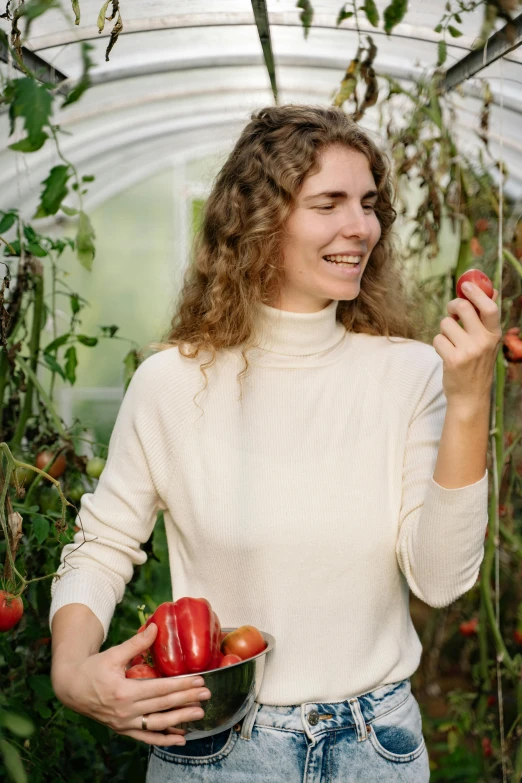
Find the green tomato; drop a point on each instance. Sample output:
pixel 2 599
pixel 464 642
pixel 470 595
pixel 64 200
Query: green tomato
pixel 76 492
pixel 49 500
pixel 95 467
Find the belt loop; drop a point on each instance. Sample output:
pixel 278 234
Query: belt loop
pixel 306 725
pixel 248 721
pixel 360 724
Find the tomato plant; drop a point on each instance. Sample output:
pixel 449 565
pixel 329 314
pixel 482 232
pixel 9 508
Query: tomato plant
pixel 11 610
pixel 245 642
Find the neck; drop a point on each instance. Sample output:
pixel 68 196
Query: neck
pixel 298 334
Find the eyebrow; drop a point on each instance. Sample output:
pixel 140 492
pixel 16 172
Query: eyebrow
pixel 340 194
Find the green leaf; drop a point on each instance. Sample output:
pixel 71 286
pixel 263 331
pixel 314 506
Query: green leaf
pixel 438 29
pixel 17 724
pixel 394 13
pixel 371 12
pixel 55 344
pixel 53 365
pixel 89 341
pixel 76 9
pixel 84 82
pixel 32 102
pixel 71 363
pixel 41 528
pixel 102 15
pixel 85 241
pixel 109 331
pixel 15 244
pixel 41 685
pixel 130 364
pixel 454 32
pixel 88 178
pixel 30 144
pixel 306 16
pixel 54 192
pixel 75 303
pixel 7 220
pixel 343 15
pixel 442 52
pixel 71 211
pixel 13 762
pixel 37 250
pixel 458 18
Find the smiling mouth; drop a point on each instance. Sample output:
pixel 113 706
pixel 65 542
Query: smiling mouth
pixel 352 261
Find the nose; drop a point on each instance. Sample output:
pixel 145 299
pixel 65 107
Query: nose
pixel 356 222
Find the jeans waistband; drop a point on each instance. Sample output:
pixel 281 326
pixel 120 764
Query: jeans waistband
pixel 314 718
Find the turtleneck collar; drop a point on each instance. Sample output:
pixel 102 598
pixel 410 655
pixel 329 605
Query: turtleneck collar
pixel 298 334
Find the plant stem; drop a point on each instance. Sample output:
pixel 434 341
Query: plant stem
pixel 34 348
pixel 43 394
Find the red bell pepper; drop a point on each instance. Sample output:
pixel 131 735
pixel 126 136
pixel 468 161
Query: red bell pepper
pixel 188 638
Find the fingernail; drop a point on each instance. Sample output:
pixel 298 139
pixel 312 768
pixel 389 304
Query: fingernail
pixel 466 286
pixel 198 681
pixel 204 694
pixel 197 713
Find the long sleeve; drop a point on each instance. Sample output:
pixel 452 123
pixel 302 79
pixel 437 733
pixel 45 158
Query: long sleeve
pixel 440 545
pixel 119 516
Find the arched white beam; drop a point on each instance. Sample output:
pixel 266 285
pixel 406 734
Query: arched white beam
pixel 389 66
pixel 227 19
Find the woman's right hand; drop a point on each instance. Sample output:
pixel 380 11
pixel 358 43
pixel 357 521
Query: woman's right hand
pixel 96 686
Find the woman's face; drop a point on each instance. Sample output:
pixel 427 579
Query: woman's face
pixel 334 217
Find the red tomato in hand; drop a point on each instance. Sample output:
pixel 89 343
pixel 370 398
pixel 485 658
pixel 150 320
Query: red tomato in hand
pixel 245 641
pixel 229 660
pixel 11 610
pixel 58 466
pixel 478 278
pixel 141 671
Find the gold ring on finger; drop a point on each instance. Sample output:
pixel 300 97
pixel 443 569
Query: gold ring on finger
pixel 144 723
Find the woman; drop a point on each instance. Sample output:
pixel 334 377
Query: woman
pixel 331 463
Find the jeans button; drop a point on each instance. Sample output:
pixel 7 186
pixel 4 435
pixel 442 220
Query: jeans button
pixel 313 718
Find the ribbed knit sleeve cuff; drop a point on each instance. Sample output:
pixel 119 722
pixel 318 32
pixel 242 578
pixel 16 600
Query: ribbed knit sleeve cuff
pixel 447 547
pixel 88 588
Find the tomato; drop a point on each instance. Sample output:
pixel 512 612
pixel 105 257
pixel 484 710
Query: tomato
pixel 476 247
pixel 95 467
pixel 469 628
pixel 487 747
pixel 482 224
pixel 57 468
pixel 513 345
pixel 22 476
pixel 11 610
pixel 245 641
pixel 48 499
pixel 229 660
pixel 142 671
pixel 477 277
pixel 76 492
pixel 517 636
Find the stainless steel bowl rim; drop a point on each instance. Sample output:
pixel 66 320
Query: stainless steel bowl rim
pixel 269 639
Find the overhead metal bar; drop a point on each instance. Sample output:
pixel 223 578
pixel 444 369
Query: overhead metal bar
pixel 43 70
pixel 263 28
pixel 501 43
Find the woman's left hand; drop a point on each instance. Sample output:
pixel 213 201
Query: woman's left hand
pixel 469 349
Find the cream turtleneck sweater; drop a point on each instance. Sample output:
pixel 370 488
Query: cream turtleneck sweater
pixel 308 509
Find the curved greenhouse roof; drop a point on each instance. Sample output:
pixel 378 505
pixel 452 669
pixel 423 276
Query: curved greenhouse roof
pixel 182 79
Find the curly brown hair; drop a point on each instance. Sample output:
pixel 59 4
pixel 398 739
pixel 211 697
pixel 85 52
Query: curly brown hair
pixel 237 253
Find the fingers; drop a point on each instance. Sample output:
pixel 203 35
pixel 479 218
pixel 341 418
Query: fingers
pixel 155 738
pixel 173 700
pixel 161 721
pixel 144 690
pixel 123 653
pixel 477 303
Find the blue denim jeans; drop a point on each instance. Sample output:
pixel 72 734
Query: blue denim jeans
pixel 375 737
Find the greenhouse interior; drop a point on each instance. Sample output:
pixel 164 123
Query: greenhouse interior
pixel 116 119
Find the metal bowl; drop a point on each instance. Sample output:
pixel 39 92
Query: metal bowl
pixel 233 691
